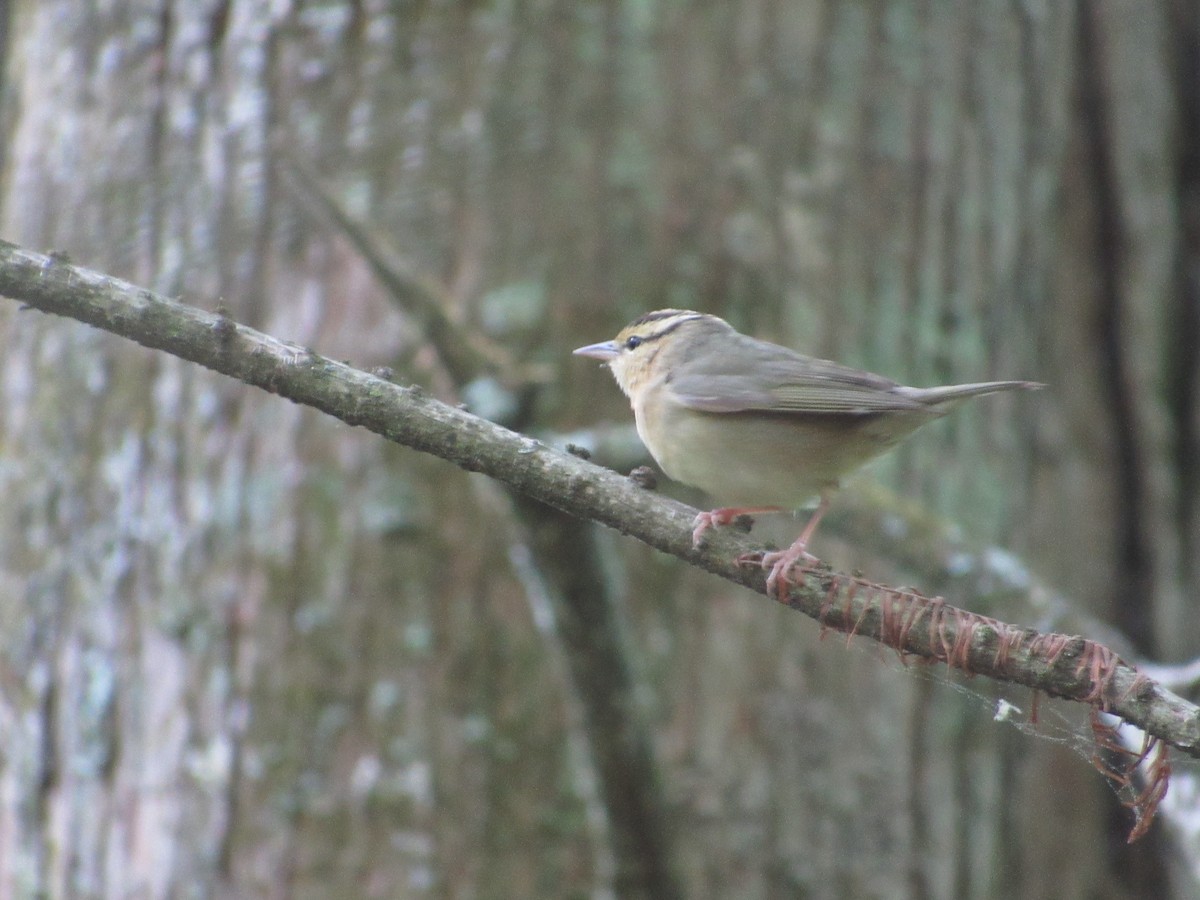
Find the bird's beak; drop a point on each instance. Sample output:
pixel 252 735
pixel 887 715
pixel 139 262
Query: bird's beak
pixel 605 351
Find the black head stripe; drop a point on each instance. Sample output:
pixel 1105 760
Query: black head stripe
pixel 656 316
pixel 679 317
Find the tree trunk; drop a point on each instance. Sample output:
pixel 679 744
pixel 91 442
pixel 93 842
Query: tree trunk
pixel 249 651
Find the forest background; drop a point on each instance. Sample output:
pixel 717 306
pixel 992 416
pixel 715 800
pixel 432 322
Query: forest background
pixel 249 651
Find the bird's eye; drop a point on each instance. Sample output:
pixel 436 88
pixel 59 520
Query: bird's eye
pixel 633 342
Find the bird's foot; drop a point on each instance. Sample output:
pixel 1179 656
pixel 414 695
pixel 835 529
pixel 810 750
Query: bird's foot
pixel 781 563
pixel 726 515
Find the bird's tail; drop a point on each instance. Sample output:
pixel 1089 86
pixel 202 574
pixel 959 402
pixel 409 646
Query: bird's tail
pixel 953 392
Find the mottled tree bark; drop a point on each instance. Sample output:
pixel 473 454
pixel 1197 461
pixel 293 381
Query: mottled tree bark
pixel 247 651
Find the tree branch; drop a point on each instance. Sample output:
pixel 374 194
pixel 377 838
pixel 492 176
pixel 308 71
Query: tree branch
pixel 1068 667
pixel 566 553
pixel 466 354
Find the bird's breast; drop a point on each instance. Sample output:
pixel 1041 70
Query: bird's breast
pixel 756 458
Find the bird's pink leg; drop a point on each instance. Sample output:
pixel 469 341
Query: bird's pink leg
pixel 780 562
pixel 725 516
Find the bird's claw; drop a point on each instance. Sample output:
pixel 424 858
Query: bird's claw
pixel 781 563
pixel 701 524
pixel 728 515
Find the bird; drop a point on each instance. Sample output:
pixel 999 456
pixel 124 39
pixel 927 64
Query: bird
pixel 758 426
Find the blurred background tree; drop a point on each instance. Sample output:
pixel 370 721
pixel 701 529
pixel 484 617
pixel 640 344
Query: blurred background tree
pixel 249 651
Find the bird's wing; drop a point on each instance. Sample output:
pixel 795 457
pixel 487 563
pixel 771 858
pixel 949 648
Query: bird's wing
pixel 782 381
